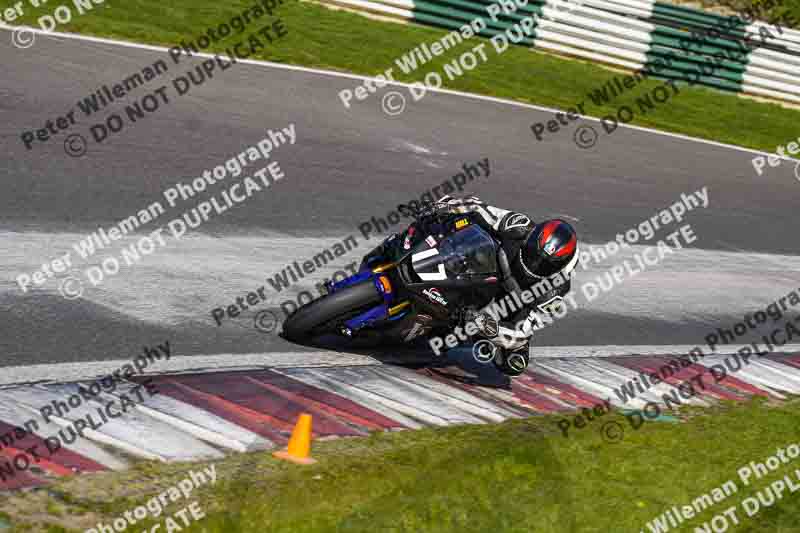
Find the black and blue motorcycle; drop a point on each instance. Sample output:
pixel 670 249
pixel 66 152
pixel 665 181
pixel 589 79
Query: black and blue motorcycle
pixel 429 278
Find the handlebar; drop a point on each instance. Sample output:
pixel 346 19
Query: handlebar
pixel 426 210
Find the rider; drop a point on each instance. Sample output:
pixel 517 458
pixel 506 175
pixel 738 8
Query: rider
pixel 529 254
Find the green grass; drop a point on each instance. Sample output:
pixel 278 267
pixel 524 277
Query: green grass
pixel 517 476
pixel 320 37
pixel 782 7
pixel 520 476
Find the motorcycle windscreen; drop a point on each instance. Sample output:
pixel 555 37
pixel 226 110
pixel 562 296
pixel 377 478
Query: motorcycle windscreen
pixel 468 252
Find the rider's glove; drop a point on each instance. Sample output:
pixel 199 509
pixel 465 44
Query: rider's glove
pixel 443 206
pixel 485 324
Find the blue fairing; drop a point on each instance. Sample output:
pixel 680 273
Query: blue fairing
pixel 380 312
pixel 352 280
pixel 376 313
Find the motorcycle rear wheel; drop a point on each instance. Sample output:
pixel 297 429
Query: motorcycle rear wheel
pixel 319 316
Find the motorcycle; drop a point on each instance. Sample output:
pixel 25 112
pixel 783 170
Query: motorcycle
pixel 434 274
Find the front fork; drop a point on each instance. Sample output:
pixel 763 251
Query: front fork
pixel 389 309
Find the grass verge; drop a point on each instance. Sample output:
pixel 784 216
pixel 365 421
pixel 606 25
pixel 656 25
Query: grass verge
pixel 516 476
pixel 780 7
pixel 338 40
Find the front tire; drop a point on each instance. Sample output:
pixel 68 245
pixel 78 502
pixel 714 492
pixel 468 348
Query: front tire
pixel 319 316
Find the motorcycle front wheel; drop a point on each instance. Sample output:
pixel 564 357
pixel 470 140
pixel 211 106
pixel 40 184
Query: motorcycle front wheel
pixel 321 315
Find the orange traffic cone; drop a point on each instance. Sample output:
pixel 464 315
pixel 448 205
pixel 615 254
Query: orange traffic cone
pixel 300 443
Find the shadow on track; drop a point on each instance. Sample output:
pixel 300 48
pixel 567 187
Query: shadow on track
pixel 457 364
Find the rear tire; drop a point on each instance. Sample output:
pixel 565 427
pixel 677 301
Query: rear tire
pixel 314 318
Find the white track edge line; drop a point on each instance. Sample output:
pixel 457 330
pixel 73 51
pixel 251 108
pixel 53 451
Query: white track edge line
pixel 493 99
pixel 61 372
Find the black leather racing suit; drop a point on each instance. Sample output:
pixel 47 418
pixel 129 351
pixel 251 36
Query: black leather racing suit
pixel 511 230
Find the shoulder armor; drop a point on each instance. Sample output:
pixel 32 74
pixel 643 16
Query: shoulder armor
pixel 515 225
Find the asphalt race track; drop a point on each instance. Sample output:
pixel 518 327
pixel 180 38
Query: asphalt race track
pixel 741 258
pixel 342 168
